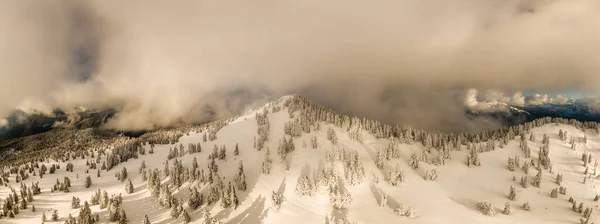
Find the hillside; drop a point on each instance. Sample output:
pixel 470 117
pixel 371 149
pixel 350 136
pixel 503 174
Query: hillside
pixel 350 163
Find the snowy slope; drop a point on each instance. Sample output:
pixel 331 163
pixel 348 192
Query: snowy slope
pixel 452 198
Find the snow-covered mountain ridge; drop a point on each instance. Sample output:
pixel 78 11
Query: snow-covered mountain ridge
pixel 303 163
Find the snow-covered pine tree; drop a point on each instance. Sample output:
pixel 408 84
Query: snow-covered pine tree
pixel 507 210
pixel 511 164
pixel 123 174
pixel 486 208
pixel 266 165
pixel 383 200
pixel 235 202
pixel 54 216
pixel 430 174
pixel 240 178
pixel 414 161
pixel 184 217
pixel 304 186
pixel 512 194
pixel 175 208
pixel 129 186
pixel 88 182
pixel 146 220
pixel 331 136
pixel 223 153
pixel 554 193
pixel 537 179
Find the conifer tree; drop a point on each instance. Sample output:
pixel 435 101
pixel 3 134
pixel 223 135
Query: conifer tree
pixel 88 181
pixel 240 177
pixel 184 217
pixel 233 198
pixel 507 210
pixel 554 193
pixel 512 195
pixel 195 199
pixel 123 174
pixel 54 217
pixel 129 186
pixel 146 220
pixel 414 161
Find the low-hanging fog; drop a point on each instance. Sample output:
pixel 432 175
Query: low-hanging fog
pixel 407 62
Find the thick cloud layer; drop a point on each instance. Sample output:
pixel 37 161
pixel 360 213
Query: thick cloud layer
pixel 407 62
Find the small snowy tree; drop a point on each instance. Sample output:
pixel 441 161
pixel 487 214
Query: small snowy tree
pixel 304 186
pixel 430 175
pixel 414 161
pixel 383 201
pixel 486 208
pixel 88 182
pixel 512 195
pixel 240 178
pixel 340 199
pixel 129 186
pixel 507 210
pixel 267 163
pixel 554 193
pixel 146 220
pixel 276 199
pixel 559 178
pixel 526 206
pixel 184 217
pixel 54 217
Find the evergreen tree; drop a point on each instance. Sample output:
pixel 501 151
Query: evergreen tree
pixel 414 161
pixel 304 186
pixel 54 217
pixel 88 181
pixel 512 195
pixel 558 178
pixel 236 151
pixel 146 220
pixel 175 208
pixel 129 186
pixel 507 210
pixel 184 217
pixel 123 174
pixel 240 178
pixel 142 166
pixel 166 169
pixel 266 165
pixel 384 199
pixel 122 217
pixel 537 179
pixel 486 208
pixel 554 193
pixel 233 197
pixel 223 153
pixel 195 199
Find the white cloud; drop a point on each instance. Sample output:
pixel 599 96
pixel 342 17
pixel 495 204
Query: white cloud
pixel 3 122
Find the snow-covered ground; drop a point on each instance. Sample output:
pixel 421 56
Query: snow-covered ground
pixel 452 198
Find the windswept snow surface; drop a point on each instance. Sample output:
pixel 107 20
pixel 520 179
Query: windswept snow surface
pixel 452 198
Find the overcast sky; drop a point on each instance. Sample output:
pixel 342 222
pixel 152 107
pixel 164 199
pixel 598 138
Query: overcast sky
pixel 406 62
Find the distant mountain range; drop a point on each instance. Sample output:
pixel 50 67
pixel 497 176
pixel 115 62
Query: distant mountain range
pixel 21 124
pixel 582 110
